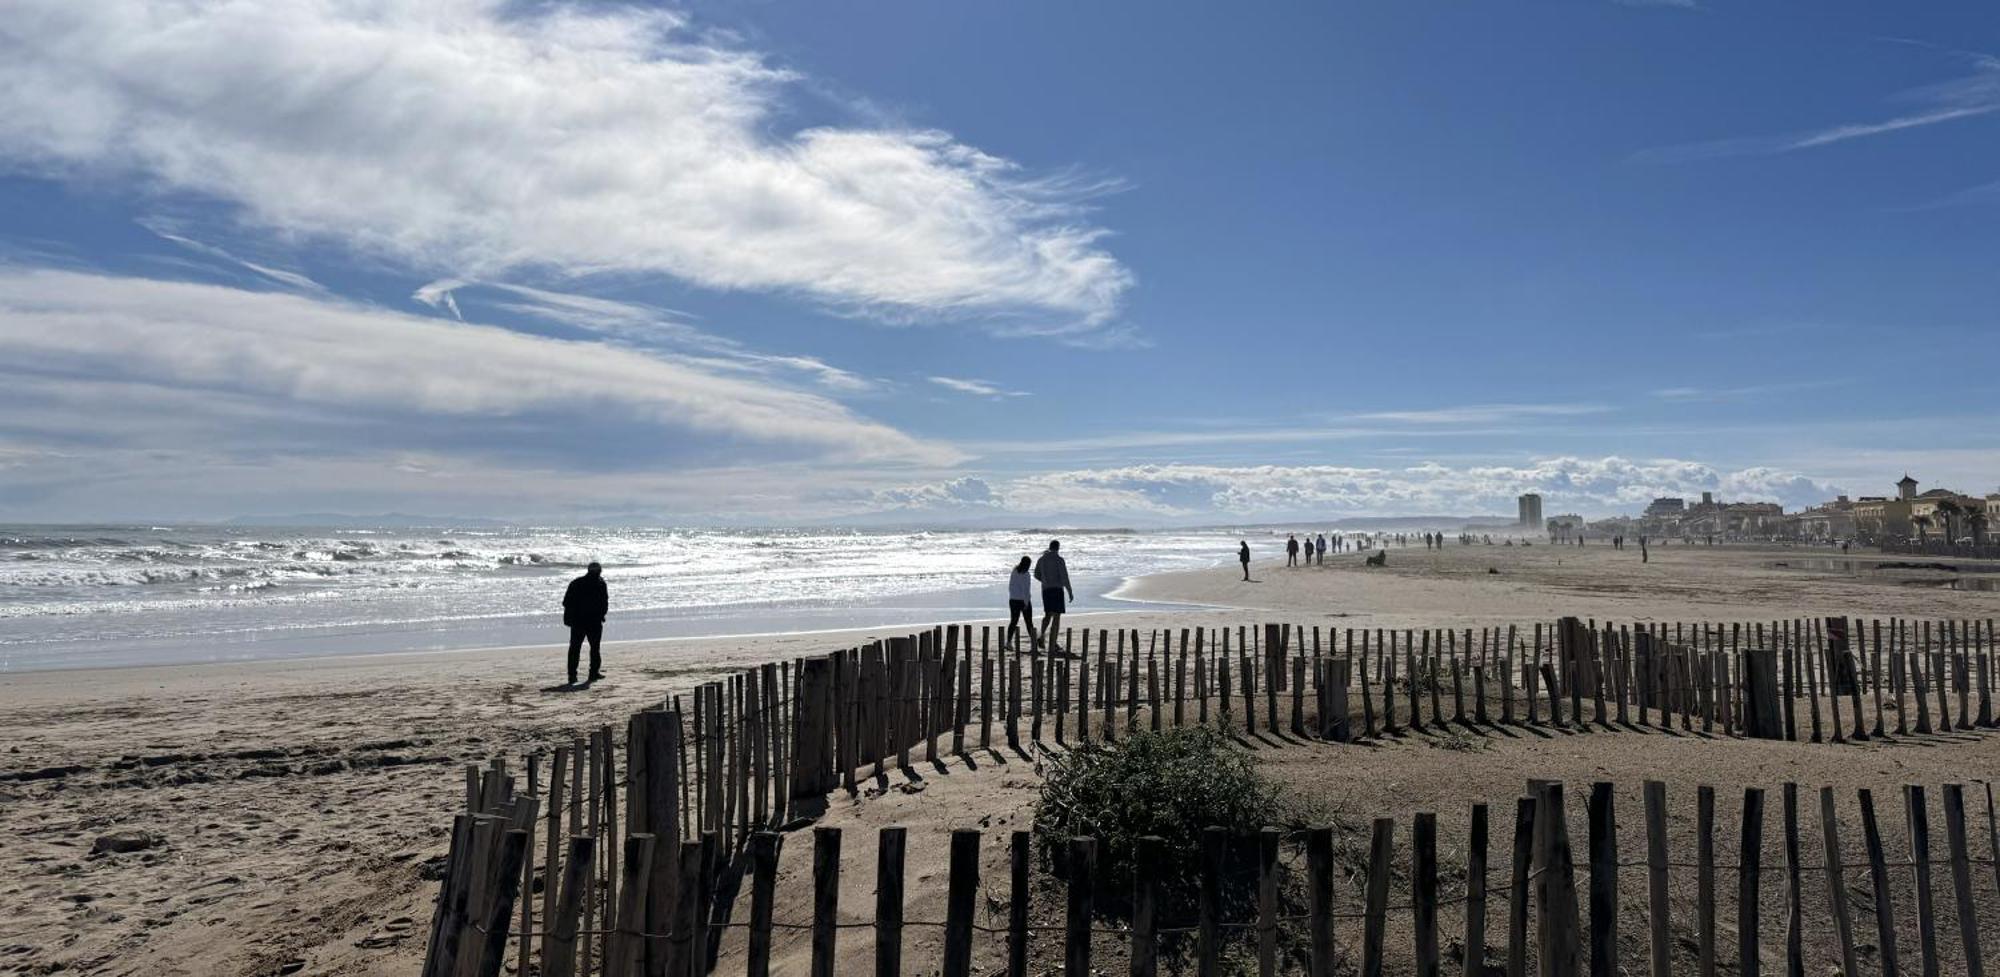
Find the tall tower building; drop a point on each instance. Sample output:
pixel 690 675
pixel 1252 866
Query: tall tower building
pixel 1530 511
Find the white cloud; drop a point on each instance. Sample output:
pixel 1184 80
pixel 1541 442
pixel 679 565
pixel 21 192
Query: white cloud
pixel 474 138
pixel 211 342
pixel 977 388
pixel 966 492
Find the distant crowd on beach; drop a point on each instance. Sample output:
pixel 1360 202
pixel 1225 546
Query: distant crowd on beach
pixel 586 602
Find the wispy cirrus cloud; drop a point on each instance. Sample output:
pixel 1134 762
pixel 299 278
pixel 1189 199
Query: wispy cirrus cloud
pixel 1481 413
pixel 638 324
pixel 480 138
pixel 976 388
pixel 1721 395
pixel 1972 95
pixel 281 276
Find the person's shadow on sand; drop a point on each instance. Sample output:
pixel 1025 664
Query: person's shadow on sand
pixel 570 687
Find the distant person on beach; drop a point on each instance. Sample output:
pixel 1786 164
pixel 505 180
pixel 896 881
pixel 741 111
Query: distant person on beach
pixel 1243 557
pixel 1020 606
pixel 1291 551
pixel 1054 575
pixel 1319 547
pixel 584 605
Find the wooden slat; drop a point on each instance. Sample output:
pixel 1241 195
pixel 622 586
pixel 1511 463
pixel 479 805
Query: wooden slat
pixel 1146 906
pixel 1319 887
pixel 1603 881
pixel 1657 906
pixel 960 887
pixel 1377 906
pixel 561 953
pixel 826 900
pixel 1750 853
pixel 1082 879
pixel 1475 894
pixel 889 902
pixel 1961 878
pixel 1836 883
pixel 1517 893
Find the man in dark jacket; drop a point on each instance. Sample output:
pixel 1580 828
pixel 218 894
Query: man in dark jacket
pixel 584 605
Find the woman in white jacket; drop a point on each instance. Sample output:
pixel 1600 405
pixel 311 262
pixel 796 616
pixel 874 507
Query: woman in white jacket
pixel 1020 610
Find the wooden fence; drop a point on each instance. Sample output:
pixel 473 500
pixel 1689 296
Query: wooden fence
pixel 1547 909
pixel 765 746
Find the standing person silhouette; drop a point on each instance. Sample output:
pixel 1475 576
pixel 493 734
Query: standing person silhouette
pixel 1020 607
pixel 1054 575
pixel 1319 550
pixel 1291 551
pixel 1243 557
pixel 585 604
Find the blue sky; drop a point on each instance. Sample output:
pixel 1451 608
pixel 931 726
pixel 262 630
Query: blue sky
pixel 784 261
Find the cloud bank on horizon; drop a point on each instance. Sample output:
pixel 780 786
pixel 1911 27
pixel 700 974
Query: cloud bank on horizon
pixel 1190 493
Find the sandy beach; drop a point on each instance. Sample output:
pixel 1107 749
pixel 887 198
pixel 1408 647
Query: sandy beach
pixel 294 807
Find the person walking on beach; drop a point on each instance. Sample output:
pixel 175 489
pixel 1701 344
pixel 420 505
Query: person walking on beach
pixel 1020 608
pixel 1291 551
pixel 1054 575
pixel 1319 547
pixel 584 605
pixel 1243 557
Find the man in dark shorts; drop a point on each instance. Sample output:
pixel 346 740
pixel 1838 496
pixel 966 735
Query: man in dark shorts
pixel 1054 575
pixel 584 605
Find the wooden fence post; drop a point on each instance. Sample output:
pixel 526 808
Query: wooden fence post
pixel 889 902
pixel 1794 910
pixel 1475 895
pixel 765 847
pixel 826 900
pixel 1878 871
pixel 1657 907
pixel 1705 880
pixel 1918 815
pixel 1836 883
pixel 1082 876
pixel 1750 854
pixel 1961 877
pixel 1319 886
pixel 1517 893
pixel 963 883
pixel 1267 900
pixel 562 937
pixel 1423 891
pixel 1377 908
pixel 1603 881
pixel 1145 906
pixel 1017 900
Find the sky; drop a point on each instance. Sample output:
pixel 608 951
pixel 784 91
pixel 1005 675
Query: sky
pixel 776 262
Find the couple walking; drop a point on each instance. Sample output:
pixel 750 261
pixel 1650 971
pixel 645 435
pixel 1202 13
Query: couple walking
pixel 1054 576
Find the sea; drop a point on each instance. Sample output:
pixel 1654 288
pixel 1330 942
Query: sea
pixel 106 596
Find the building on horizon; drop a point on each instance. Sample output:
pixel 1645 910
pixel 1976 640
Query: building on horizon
pixel 1565 527
pixel 1530 506
pixel 1666 508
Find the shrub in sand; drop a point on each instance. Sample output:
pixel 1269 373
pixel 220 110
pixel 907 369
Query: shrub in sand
pixel 1168 784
